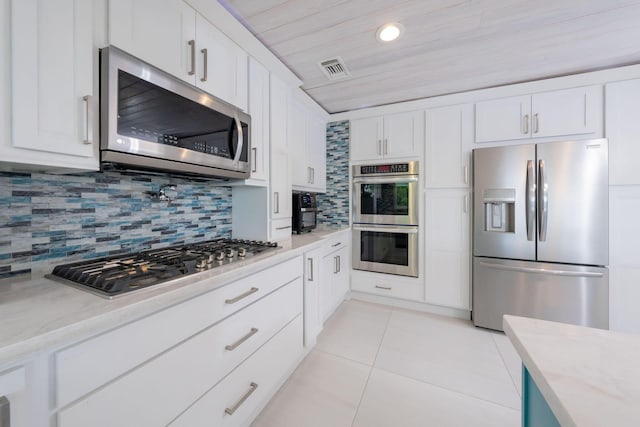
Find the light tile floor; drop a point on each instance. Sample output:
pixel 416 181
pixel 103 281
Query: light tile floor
pixel 378 366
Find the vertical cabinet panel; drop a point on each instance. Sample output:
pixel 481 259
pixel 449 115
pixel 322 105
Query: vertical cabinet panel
pixel 54 104
pixel 449 140
pixel 317 152
pixel 280 162
pixel 623 131
pixel 335 283
pixel 313 282
pixel 157 32
pixel 301 175
pixel 259 111
pixel 448 248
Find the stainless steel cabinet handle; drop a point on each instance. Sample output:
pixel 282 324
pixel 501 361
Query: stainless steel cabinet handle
pixel 241 296
pixel 254 150
pixel 310 276
pixel 466 204
pixel 309 178
pixel 313 175
pixel 339 264
pixel 5 412
pixel 542 270
pixel 543 201
pixel 383 287
pixel 335 264
pixel 242 339
pixel 526 124
pixel 192 45
pixel 336 244
pixel 88 103
pixel 205 65
pixel 530 194
pixel 276 197
pixel 238 404
pixel 283 228
pixel 466 174
pixel 386 146
pixel 536 122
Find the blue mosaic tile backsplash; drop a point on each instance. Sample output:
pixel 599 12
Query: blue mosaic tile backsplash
pixel 47 220
pixel 335 203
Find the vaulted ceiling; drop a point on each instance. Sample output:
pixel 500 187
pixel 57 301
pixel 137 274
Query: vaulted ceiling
pixel 448 46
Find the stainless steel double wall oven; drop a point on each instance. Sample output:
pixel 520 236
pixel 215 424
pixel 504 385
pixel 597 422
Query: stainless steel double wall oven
pixel 385 218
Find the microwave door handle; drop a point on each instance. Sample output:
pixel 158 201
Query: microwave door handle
pixel 240 138
pixel 384 180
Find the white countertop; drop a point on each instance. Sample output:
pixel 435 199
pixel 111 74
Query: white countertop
pixel 589 377
pixel 42 315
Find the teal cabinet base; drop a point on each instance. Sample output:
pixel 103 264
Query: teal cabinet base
pixel 535 410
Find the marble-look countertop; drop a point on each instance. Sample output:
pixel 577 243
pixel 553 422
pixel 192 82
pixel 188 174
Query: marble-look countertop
pixel 589 377
pixel 42 315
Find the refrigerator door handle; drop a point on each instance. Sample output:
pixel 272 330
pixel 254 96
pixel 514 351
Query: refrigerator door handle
pixel 531 201
pixel 542 270
pixel 543 201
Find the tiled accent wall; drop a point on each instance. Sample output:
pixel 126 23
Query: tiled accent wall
pixel 47 220
pixel 335 203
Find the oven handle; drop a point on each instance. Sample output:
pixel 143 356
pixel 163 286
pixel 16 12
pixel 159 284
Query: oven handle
pixel 385 180
pixel 387 229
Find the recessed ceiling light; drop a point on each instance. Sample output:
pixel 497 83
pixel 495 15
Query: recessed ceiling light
pixel 389 32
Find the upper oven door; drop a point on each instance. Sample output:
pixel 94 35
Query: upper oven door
pixel 386 200
pixel 148 112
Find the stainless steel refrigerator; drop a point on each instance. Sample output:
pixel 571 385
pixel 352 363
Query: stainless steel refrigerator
pixel 541 232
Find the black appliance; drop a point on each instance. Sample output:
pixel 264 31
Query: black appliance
pixel 305 212
pixel 117 275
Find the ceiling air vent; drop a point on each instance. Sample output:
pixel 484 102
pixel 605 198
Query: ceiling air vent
pixel 334 68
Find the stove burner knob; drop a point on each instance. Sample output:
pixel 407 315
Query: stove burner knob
pixel 201 262
pixel 219 255
pixel 209 257
pixel 242 252
pixel 272 244
pixel 230 252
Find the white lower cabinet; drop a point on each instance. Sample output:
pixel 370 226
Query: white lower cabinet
pixel 312 283
pixel 388 285
pixel 448 248
pixel 239 397
pixel 336 264
pixel 163 384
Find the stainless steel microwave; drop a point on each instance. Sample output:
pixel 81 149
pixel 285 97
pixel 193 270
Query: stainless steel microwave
pixel 151 120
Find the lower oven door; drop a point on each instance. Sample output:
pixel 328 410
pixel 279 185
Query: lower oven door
pixel 386 249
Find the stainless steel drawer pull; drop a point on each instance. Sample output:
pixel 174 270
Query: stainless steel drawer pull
pixel 283 228
pixel 310 276
pixel 383 287
pixel 192 45
pixel 238 404
pixel 241 296
pixel 88 100
pixel 336 244
pixel 235 345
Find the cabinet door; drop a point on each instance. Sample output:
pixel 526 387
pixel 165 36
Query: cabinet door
pixel 317 152
pixel 566 112
pixel 503 119
pixel 403 134
pixel 280 166
pixel 329 270
pixel 448 247
pixel 366 139
pixel 158 32
pixel 259 111
pixel 623 131
pixel 312 284
pixel 340 282
pixel 54 104
pixel 300 169
pixel 221 65
pixel 449 138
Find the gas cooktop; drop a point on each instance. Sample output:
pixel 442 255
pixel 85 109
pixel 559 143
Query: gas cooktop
pixel 114 276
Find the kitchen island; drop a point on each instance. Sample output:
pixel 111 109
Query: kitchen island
pixel 586 376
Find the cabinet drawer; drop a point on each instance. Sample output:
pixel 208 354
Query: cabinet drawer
pixel 389 288
pixel 159 390
pixel 86 366
pixel 336 243
pixel 247 388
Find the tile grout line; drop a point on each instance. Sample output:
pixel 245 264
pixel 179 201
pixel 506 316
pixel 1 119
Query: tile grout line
pixel 504 362
pixel 366 384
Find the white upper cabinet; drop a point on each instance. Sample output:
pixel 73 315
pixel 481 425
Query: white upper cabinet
pixel 448 248
pixel 175 38
pixel 449 140
pixel 623 131
pixel 308 149
pixel 54 86
pixel 221 65
pixel 568 112
pixel 259 111
pixel 391 136
pixel 280 161
pixel 161 33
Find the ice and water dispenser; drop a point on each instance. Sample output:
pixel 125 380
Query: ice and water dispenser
pixel 499 209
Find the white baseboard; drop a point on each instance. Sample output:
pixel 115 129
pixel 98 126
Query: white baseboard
pixel 411 305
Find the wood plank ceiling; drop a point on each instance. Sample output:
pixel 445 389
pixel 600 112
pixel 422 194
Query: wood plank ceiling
pixel 448 46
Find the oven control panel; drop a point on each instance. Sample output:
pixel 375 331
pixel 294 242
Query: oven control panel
pixel 408 168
